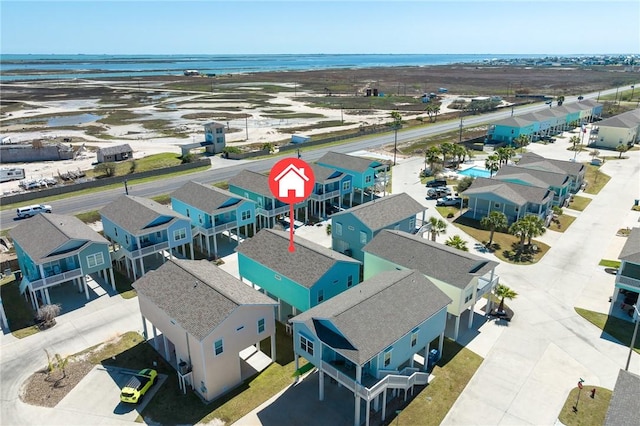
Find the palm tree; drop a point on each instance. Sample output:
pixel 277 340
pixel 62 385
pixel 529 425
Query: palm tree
pixel 521 141
pixel 622 148
pixel 503 154
pixel 457 243
pixel 395 124
pixel 594 154
pixel 432 109
pixel 534 226
pixel 432 156
pixel 459 152
pixel 495 220
pixel 492 163
pixel 446 149
pixel 437 227
pixel 575 140
pixel 504 292
pixel 519 229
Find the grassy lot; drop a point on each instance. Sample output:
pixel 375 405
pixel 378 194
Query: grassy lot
pixel 617 328
pixel 89 217
pixel 609 263
pixel 562 223
pixel 503 244
pixel 590 412
pixel 452 373
pixel 445 211
pixel 123 285
pixel 579 203
pixel 19 313
pixel 596 179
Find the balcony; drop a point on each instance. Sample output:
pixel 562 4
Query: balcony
pixel 325 196
pixel 135 254
pixel 216 229
pixel 272 212
pixel 628 281
pixel 56 279
pixel 404 379
pixel 485 284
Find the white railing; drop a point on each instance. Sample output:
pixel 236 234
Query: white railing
pixel 404 379
pixel 622 279
pixel 325 196
pixel 485 284
pixel 216 229
pixel 272 212
pixel 143 251
pixel 56 279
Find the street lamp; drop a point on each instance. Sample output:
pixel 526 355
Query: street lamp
pixel 633 87
pixel 633 338
pixel 460 134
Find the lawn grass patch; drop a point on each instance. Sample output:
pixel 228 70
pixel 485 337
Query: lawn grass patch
pixel 579 203
pixel 610 263
pixel 123 285
pixel 20 315
pixel 617 328
pixel 561 223
pixel 452 374
pixel 89 217
pixel 504 244
pixel 595 178
pixel 590 411
pixel 164 199
pixel 448 211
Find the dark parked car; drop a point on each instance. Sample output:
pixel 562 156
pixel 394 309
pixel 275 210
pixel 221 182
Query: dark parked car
pixel 436 182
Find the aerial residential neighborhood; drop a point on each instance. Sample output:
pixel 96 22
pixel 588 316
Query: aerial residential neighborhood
pixel 369 302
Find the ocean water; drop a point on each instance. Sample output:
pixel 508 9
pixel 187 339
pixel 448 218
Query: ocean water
pixel 30 67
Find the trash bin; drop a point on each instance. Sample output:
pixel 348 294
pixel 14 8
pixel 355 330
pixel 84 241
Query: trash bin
pixel 18 275
pixel 434 357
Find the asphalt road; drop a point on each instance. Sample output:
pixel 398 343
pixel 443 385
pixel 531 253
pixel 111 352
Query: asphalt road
pixel 95 201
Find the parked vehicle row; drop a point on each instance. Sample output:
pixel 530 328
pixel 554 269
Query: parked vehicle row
pixel 439 191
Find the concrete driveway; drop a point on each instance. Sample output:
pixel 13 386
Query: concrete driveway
pixel 98 394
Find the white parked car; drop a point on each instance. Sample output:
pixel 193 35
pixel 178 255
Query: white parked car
pixel 29 211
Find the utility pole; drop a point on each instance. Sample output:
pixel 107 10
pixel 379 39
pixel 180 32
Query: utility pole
pixel 460 135
pixel 633 338
pixel 246 127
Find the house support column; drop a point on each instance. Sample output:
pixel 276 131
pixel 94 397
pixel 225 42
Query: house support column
pixel 273 347
pixel 166 347
pixel 321 386
pixel 208 245
pixel 144 327
pixel 78 282
pixel 215 246
pixel 471 311
pixel 86 287
pixel 142 266
pixel 616 291
pixel 113 281
pixel 191 250
pixel 457 327
pixel 368 412
pixel 46 295
pixel 376 403
pixel 426 356
pixel 155 337
pixel 384 403
pixel 441 342
pixel 356 414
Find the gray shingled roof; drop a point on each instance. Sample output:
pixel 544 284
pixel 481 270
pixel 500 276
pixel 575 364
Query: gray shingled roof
pixel 535 177
pixel 385 211
pixel 626 120
pixel 434 260
pixel 254 182
pixel 306 265
pixel 322 173
pixel 44 233
pixel 376 313
pixel 134 214
pixel 535 161
pixel 625 401
pixel 207 198
pixel 631 250
pixel 198 295
pixel 514 122
pixel 347 162
pixel 513 192
pixel 118 149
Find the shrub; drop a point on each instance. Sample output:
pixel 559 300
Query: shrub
pixel 106 169
pixel 188 158
pixel 450 215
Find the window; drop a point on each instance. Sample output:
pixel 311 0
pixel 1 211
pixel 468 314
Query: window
pixel 261 325
pixel 346 185
pixel 363 237
pixel 180 234
pixel 351 228
pixel 126 239
pixel 468 297
pixel 338 229
pixel 396 227
pixel 412 223
pixel 246 215
pixel 368 179
pixel 277 277
pixel 517 209
pixel 349 280
pixel 188 214
pixel 387 357
pixel 158 234
pixel 496 205
pixel 115 231
pixel 94 260
pixel 414 338
pixel 306 345
pixel 218 348
pixel 320 295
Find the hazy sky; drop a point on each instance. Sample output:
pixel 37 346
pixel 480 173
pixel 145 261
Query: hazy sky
pixel 427 26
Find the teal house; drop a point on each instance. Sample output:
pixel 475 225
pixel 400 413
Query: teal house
pixel 255 187
pixel 627 284
pixel 213 212
pixel 298 280
pixel 464 277
pixel 142 230
pixel 352 229
pixel 515 200
pixel 365 173
pixel 575 170
pixel 366 339
pixel 54 249
pixel 559 183
pixel 507 129
pixel 331 187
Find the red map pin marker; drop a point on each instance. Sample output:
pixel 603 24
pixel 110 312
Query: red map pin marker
pixel 291 181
